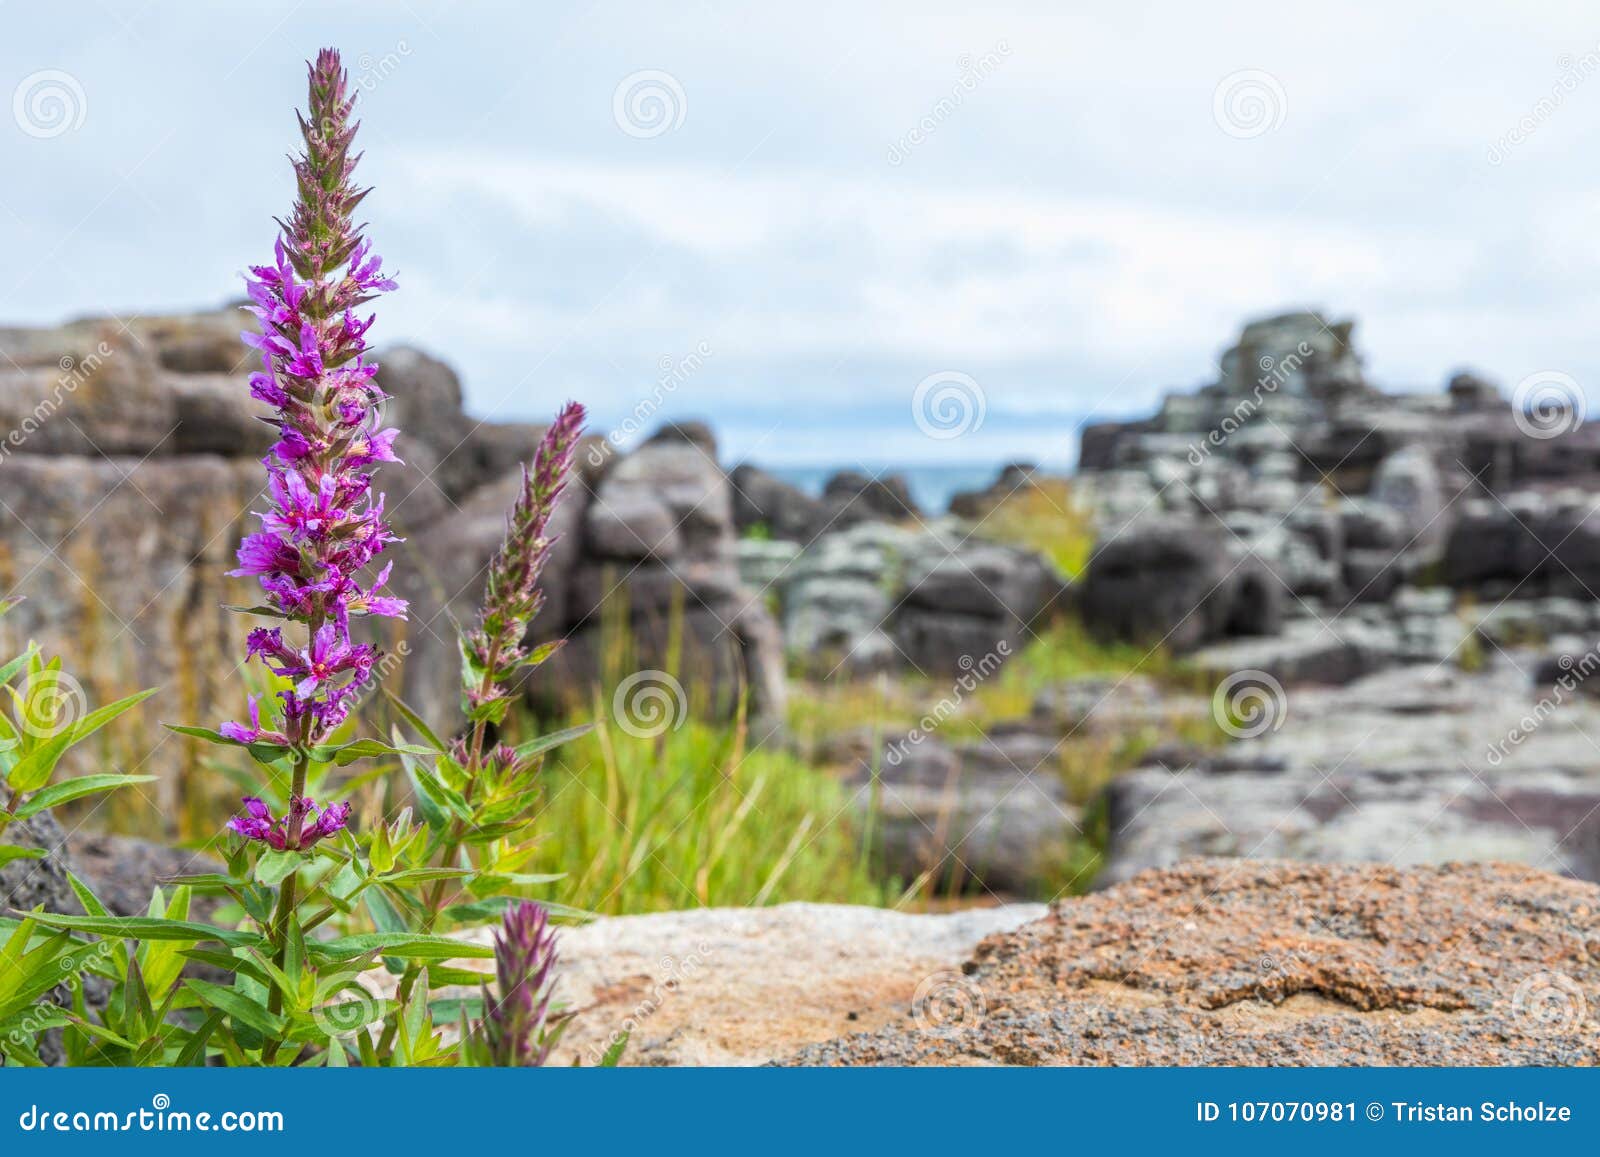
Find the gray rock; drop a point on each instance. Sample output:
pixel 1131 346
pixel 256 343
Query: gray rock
pixel 760 500
pixel 1412 765
pixel 992 814
pixel 1174 582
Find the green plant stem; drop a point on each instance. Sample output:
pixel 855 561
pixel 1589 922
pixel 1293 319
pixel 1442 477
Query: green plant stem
pixel 448 847
pixel 284 912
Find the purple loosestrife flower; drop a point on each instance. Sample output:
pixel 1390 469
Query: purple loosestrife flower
pixel 517 1017
pixel 494 647
pixel 324 525
pixel 283 833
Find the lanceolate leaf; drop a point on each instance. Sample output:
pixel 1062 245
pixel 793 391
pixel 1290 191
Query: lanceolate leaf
pixel 70 789
pixel 412 946
pixel 150 928
pixel 554 739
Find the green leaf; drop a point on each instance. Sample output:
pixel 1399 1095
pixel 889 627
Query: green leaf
pixel 411 946
pixel 33 770
pixel 9 671
pixel 613 1055
pixel 70 789
pixel 414 877
pixel 555 739
pixel 91 903
pixel 274 867
pixel 484 911
pixel 9 852
pixel 414 720
pixel 150 928
pixel 239 1006
pixel 346 754
pixel 194 1051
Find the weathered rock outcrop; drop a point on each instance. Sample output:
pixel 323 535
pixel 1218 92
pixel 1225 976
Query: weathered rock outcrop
pixel 1414 765
pixel 1272 963
pixel 931 599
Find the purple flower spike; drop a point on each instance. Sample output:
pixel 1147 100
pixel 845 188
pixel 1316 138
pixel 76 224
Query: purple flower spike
pixel 517 1017
pixel 512 596
pixel 324 525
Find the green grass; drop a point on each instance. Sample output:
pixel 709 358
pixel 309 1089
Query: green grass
pixel 1046 517
pixel 691 818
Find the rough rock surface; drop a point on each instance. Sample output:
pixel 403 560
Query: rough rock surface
pixel 740 986
pixel 1413 765
pixel 1273 963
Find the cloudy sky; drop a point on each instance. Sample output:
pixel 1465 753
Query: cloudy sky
pixel 1068 208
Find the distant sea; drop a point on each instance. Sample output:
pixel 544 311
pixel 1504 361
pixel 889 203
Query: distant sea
pixel 931 486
